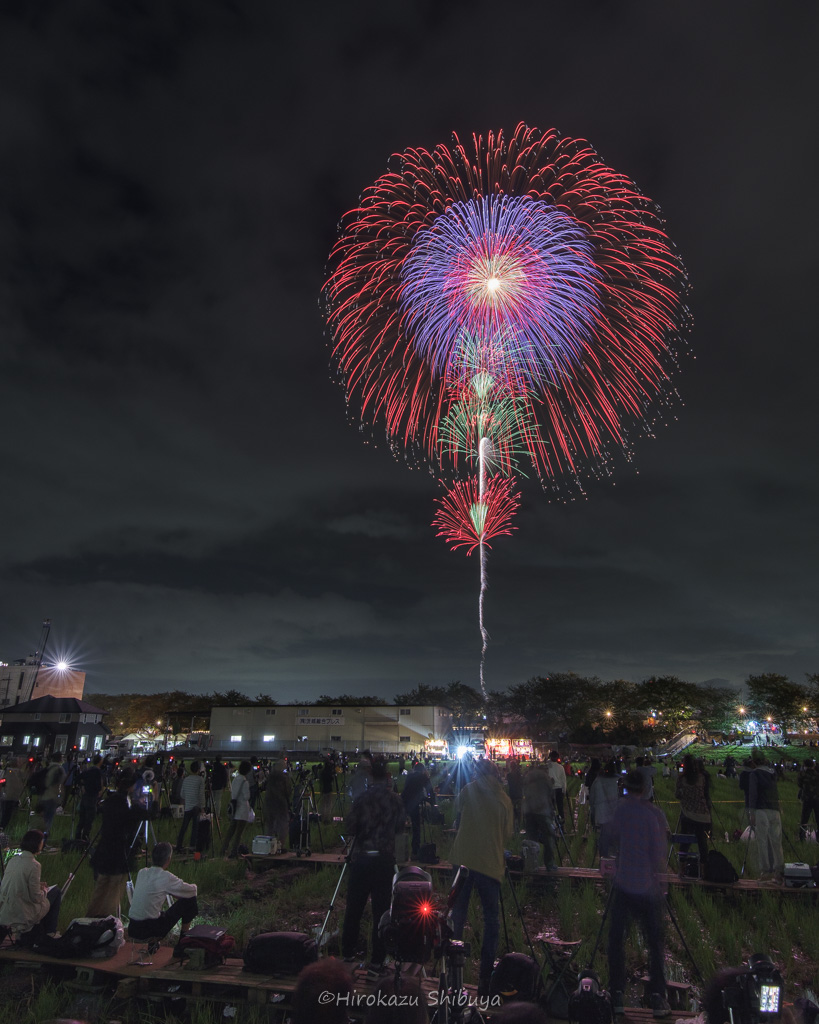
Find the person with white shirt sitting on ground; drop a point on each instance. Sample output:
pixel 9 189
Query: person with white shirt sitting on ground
pixel 153 885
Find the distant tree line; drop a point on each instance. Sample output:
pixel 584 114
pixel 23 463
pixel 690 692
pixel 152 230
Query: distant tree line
pixel 583 708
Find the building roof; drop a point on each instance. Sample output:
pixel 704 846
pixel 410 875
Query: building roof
pixel 52 706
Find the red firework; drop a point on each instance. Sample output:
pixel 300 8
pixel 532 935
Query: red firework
pixel 466 519
pixel 623 345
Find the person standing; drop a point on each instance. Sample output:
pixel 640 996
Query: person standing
pixel 808 784
pixel 376 816
pixel 514 783
pixel 486 821
pixel 50 800
pixel 763 811
pixel 120 821
pixel 604 796
pixel 13 790
pixel 416 791
pixel 240 809
pixel 193 798
pixel 539 810
pixel 278 793
pixel 327 781
pixel 648 771
pixel 218 784
pixel 90 783
pixel 638 831
pixel 558 777
pixel 694 793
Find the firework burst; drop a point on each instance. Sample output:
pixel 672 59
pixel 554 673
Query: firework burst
pixel 519 303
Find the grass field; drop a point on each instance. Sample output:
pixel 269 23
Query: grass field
pixel 719 929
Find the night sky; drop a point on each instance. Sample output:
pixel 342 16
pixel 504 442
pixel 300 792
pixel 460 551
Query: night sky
pixel 183 493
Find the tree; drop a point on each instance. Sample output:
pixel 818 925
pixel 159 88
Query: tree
pixel 348 700
pixel 777 697
pixel 422 696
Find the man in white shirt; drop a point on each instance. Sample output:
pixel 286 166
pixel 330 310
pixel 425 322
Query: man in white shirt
pixel 153 885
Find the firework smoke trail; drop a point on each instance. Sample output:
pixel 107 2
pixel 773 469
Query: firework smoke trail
pixel 482 498
pixel 514 301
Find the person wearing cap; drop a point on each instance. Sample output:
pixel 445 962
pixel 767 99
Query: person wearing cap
pixel 120 821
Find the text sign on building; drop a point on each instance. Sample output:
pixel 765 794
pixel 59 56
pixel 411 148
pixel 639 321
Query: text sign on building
pixel 336 720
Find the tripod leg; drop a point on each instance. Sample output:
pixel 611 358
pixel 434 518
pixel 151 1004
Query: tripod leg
pixel 520 915
pixel 602 926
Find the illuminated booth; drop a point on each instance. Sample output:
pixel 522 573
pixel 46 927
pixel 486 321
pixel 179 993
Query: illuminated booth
pixel 501 747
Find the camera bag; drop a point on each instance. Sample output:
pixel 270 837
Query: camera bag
pixel 95 937
pixel 428 853
pixel 214 941
pixel 203 834
pixel 718 868
pixel 280 953
pixel 516 978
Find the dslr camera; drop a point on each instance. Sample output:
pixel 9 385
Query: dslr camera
pixel 754 996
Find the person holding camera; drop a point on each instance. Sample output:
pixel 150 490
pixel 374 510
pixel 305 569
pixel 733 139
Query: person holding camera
pixel 638 830
pixel 376 816
pixel 193 798
pixel 120 820
pixel 486 820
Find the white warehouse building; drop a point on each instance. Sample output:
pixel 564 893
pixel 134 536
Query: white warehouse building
pixel 264 730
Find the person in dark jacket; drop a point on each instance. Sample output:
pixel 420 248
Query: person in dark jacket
pixel 514 783
pixel 763 811
pixel 415 793
pixel 120 821
pixel 90 782
pixel 374 819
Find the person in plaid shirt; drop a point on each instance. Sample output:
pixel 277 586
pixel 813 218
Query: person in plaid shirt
pixel 374 819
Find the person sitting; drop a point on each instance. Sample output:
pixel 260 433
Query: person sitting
pixel 28 908
pixel 153 885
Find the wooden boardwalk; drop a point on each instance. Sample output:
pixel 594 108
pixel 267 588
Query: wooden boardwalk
pixel 226 985
pixel 540 875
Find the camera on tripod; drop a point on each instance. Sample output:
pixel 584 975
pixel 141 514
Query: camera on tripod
pixel 413 929
pixel 754 995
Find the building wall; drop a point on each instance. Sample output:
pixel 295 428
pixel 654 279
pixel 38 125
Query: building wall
pixel 43 733
pixel 17 682
pixel 265 730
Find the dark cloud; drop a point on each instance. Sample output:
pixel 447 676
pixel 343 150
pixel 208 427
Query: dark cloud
pixel 184 494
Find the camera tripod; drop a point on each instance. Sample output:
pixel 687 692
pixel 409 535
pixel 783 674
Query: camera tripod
pixel 304 807
pixel 142 833
pixel 453 1005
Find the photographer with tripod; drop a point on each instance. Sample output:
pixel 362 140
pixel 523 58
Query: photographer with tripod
pixel 638 830
pixel 120 819
pixel 374 819
pixel 486 820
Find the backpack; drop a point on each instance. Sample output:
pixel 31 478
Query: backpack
pixel 280 953
pixel 37 782
pixel 428 854
pixel 214 941
pixel 95 937
pixel 718 868
pixel 516 978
